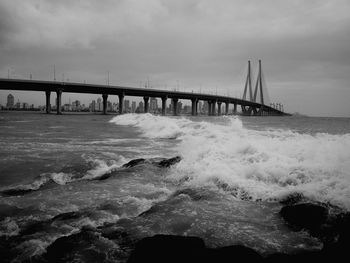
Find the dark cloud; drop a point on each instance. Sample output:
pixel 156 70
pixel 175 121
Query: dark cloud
pixel 303 45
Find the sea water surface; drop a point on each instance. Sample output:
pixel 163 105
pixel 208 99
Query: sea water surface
pixel 62 174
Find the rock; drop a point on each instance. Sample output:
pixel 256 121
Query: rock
pixel 292 199
pixel 308 216
pixel 134 162
pixel 169 162
pixel 236 253
pixel 166 248
pixel 85 246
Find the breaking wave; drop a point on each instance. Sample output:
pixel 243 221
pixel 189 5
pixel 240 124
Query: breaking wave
pixel 90 170
pixel 258 165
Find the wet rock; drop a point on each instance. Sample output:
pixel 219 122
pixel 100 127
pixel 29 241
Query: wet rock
pixel 86 246
pixel 236 253
pixel 308 216
pixel 292 199
pixel 169 162
pixel 333 229
pixel 166 248
pixel 134 162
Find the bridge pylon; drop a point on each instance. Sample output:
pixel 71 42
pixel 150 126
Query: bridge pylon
pixel 253 97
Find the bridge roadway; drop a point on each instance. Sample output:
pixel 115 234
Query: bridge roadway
pixel 248 107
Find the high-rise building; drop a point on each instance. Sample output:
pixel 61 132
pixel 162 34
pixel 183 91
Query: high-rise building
pixel 199 107
pixel 109 106
pixel 93 106
pixel 205 106
pixel 99 104
pixel 140 108
pixel 10 101
pixel 18 105
pixel 133 106
pixel 153 105
pixel 126 106
pixel 179 107
pixel 76 105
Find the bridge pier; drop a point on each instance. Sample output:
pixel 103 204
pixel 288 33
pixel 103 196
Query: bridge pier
pixel 226 108
pixel 197 101
pixel 48 105
pixel 194 106
pixel 121 103
pixel 219 108
pixel 209 107
pixel 104 97
pixel 145 100
pixel 174 103
pixel 163 105
pixel 58 101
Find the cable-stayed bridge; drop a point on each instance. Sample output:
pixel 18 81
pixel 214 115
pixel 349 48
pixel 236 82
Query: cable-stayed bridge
pixel 252 103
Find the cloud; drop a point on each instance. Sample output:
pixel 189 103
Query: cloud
pixel 206 42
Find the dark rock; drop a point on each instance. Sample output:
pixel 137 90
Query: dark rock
pixel 165 248
pixel 292 199
pixel 85 246
pixel 134 162
pixel 169 162
pixel 306 216
pixel 236 253
pixel 16 192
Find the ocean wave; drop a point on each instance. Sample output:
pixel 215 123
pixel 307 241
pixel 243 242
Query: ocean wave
pixel 256 165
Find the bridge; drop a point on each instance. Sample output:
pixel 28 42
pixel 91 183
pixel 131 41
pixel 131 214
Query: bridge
pixel 249 106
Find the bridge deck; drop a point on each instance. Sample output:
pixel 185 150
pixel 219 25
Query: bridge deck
pixel 70 87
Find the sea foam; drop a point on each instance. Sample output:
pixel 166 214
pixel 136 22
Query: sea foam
pixel 260 165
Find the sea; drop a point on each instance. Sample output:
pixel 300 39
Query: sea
pixel 64 175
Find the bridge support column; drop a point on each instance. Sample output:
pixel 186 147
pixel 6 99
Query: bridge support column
pixel 145 100
pixel 226 108
pixel 121 103
pixel 235 109
pixel 219 108
pixel 174 103
pixel 104 97
pixel 194 107
pixel 58 101
pixel 48 105
pixel 163 105
pixel 197 101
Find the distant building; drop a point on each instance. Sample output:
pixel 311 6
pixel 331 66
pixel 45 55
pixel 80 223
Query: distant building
pixel 18 105
pixel 109 106
pixel 67 107
pixel 179 107
pixel 99 105
pixel 76 105
pixel 153 107
pixel 10 101
pixel 199 107
pixel 126 106
pixel 25 105
pixel 205 106
pixel 133 106
pixel 187 109
pixel 93 106
pixel 140 108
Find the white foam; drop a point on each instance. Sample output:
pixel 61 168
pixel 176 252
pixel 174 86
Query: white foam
pixel 263 164
pixel 101 167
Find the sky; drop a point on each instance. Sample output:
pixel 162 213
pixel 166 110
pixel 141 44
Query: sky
pixel 192 45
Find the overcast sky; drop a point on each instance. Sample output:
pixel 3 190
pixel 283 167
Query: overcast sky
pixel 191 44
